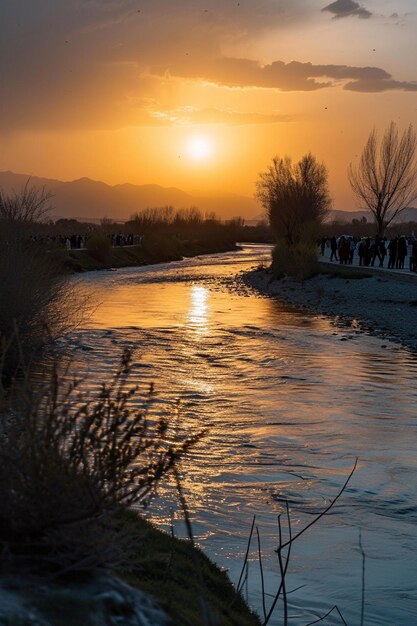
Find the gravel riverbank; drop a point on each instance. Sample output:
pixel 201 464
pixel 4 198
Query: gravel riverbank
pixel 380 304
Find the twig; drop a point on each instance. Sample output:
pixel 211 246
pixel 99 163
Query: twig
pixel 326 510
pixel 296 589
pixel 293 538
pixel 363 578
pixel 247 583
pixel 246 555
pixel 335 608
pixel 172 529
pixel 283 572
pixel 272 595
pixel 261 569
pixel 280 588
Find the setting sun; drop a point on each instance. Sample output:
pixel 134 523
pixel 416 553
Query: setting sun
pixel 199 147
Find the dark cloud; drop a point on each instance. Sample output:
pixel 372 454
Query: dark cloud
pixel 347 8
pixel 377 86
pixel 294 76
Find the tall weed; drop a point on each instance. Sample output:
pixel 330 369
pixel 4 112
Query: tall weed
pixel 70 465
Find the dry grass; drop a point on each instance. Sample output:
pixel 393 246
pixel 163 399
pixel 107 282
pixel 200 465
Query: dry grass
pixel 69 465
pixel 36 297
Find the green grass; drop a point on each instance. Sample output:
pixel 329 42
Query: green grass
pixel 166 568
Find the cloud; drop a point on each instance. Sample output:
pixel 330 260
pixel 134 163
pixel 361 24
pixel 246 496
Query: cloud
pixel 79 64
pixel 377 86
pixel 293 76
pixel 347 8
pixel 192 115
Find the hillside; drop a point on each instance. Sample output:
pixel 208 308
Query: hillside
pixel 86 198
pixel 408 215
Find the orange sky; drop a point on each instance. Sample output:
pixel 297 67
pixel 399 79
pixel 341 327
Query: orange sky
pixel 115 90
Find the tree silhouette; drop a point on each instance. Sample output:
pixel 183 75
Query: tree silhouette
pixel 294 195
pixel 385 179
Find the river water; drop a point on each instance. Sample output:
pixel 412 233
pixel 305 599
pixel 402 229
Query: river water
pixel 290 401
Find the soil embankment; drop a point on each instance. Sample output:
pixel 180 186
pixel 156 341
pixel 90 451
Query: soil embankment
pixel 132 256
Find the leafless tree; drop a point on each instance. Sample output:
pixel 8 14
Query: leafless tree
pixel 36 295
pixel 385 179
pixel 30 204
pixel 293 195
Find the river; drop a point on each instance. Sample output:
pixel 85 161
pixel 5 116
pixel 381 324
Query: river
pixel 290 401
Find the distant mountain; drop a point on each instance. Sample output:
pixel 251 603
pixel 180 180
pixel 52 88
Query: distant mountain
pixel 86 198
pixel 408 215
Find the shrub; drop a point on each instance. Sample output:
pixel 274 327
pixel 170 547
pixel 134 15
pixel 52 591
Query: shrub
pixel 298 260
pixel 99 247
pixel 35 296
pixel 70 465
pixel 27 206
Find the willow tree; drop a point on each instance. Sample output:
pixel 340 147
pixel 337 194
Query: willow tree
pixel 385 179
pixel 294 195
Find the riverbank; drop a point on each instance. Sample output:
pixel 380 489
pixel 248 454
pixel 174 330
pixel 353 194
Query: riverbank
pixel 166 584
pixel 380 304
pixel 148 253
pixel 181 578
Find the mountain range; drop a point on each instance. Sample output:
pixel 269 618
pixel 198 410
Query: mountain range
pixel 408 215
pixel 89 199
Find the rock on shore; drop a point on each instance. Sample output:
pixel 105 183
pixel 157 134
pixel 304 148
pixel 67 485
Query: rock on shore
pixel 380 304
pixel 103 600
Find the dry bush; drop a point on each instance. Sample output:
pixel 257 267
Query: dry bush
pixel 99 247
pixel 70 465
pixel 298 260
pixel 28 205
pixel 35 296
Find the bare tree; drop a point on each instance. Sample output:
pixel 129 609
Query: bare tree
pixel 385 179
pixel 294 195
pixel 30 204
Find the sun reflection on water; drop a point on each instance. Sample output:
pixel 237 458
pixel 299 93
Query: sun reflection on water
pixel 198 312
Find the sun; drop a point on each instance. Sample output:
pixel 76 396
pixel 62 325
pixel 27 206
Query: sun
pixel 199 147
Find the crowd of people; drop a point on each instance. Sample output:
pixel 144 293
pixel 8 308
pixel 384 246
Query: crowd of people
pixel 79 242
pixel 370 251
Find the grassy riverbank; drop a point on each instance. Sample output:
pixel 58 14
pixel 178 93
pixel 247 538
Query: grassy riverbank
pixel 150 252
pixel 172 577
pixel 179 576
pixel 73 466
pixel 174 581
